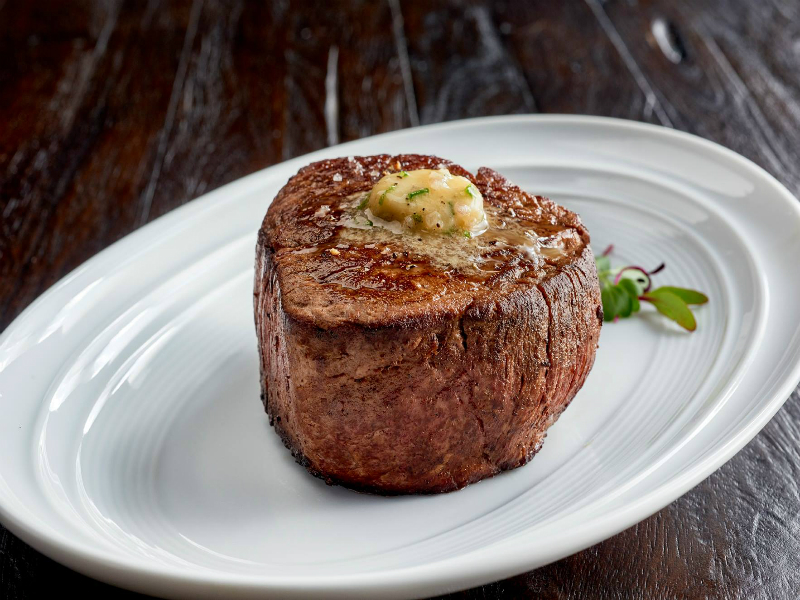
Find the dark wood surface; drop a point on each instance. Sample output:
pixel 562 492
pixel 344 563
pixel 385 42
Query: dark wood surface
pixel 115 112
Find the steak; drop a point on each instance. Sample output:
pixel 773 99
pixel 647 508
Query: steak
pixel 400 363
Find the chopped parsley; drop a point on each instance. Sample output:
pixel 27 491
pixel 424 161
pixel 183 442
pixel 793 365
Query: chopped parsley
pixel 467 234
pixel 386 191
pixel 364 203
pixel 415 193
pixel 471 191
pixel 403 174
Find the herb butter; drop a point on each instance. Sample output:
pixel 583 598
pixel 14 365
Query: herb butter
pixel 429 200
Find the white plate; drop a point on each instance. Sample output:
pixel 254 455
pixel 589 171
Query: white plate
pixel 133 445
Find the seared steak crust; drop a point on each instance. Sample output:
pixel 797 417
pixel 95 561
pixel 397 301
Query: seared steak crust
pixel 386 371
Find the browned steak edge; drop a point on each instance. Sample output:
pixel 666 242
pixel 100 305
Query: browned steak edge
pixel 501 373
pixel 571 339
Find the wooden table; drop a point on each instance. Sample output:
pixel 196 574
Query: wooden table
pixel 113 113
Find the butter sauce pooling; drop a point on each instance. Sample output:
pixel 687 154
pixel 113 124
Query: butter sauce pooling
pixel 503 239
pixel 387 249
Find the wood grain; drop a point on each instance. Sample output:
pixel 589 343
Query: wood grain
pixel 733 85
pixel 476 75
pixel 572 64
pixel 113 113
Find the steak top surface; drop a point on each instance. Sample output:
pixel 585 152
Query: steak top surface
pixel 335 269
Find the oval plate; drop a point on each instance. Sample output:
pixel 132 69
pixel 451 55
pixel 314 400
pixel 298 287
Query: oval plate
pixel 135 448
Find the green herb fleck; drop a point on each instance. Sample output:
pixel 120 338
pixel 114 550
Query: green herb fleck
pixel 370 223
pixel 467 234
pixel 364 203
pixel 452 209
pixel 471 191
pixel 417 218
pixel 386 191
pixel 403 174
pixel 415 193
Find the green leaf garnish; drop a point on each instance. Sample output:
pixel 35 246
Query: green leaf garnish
pixel 415 193
pixel 471 191
pixel 603 263
pixel 467 234
pixel 672 307
pixel 633 293
pixel 616 302
pixel 403 174
pixel 623 289
pixel 364 203
pixel 688 296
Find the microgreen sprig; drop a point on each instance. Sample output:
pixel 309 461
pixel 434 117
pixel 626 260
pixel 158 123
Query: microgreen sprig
pixel 623 289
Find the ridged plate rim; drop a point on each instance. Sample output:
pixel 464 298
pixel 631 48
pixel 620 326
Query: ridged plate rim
pixel 493 562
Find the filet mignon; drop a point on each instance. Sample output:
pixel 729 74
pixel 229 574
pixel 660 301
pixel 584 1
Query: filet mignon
pixel 397 363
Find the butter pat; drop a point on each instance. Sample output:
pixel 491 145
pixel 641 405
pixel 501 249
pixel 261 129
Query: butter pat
pixel 429 200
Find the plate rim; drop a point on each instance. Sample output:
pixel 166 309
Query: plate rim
pixel 448 573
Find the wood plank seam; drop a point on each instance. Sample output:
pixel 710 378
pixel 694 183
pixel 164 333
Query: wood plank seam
pixel 331 97
pixel 652 102
pixel 172 108
pixel 398 30
pixel 744 98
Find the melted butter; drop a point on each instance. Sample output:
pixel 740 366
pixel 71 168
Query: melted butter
pixel 428 200
pixel 503 239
